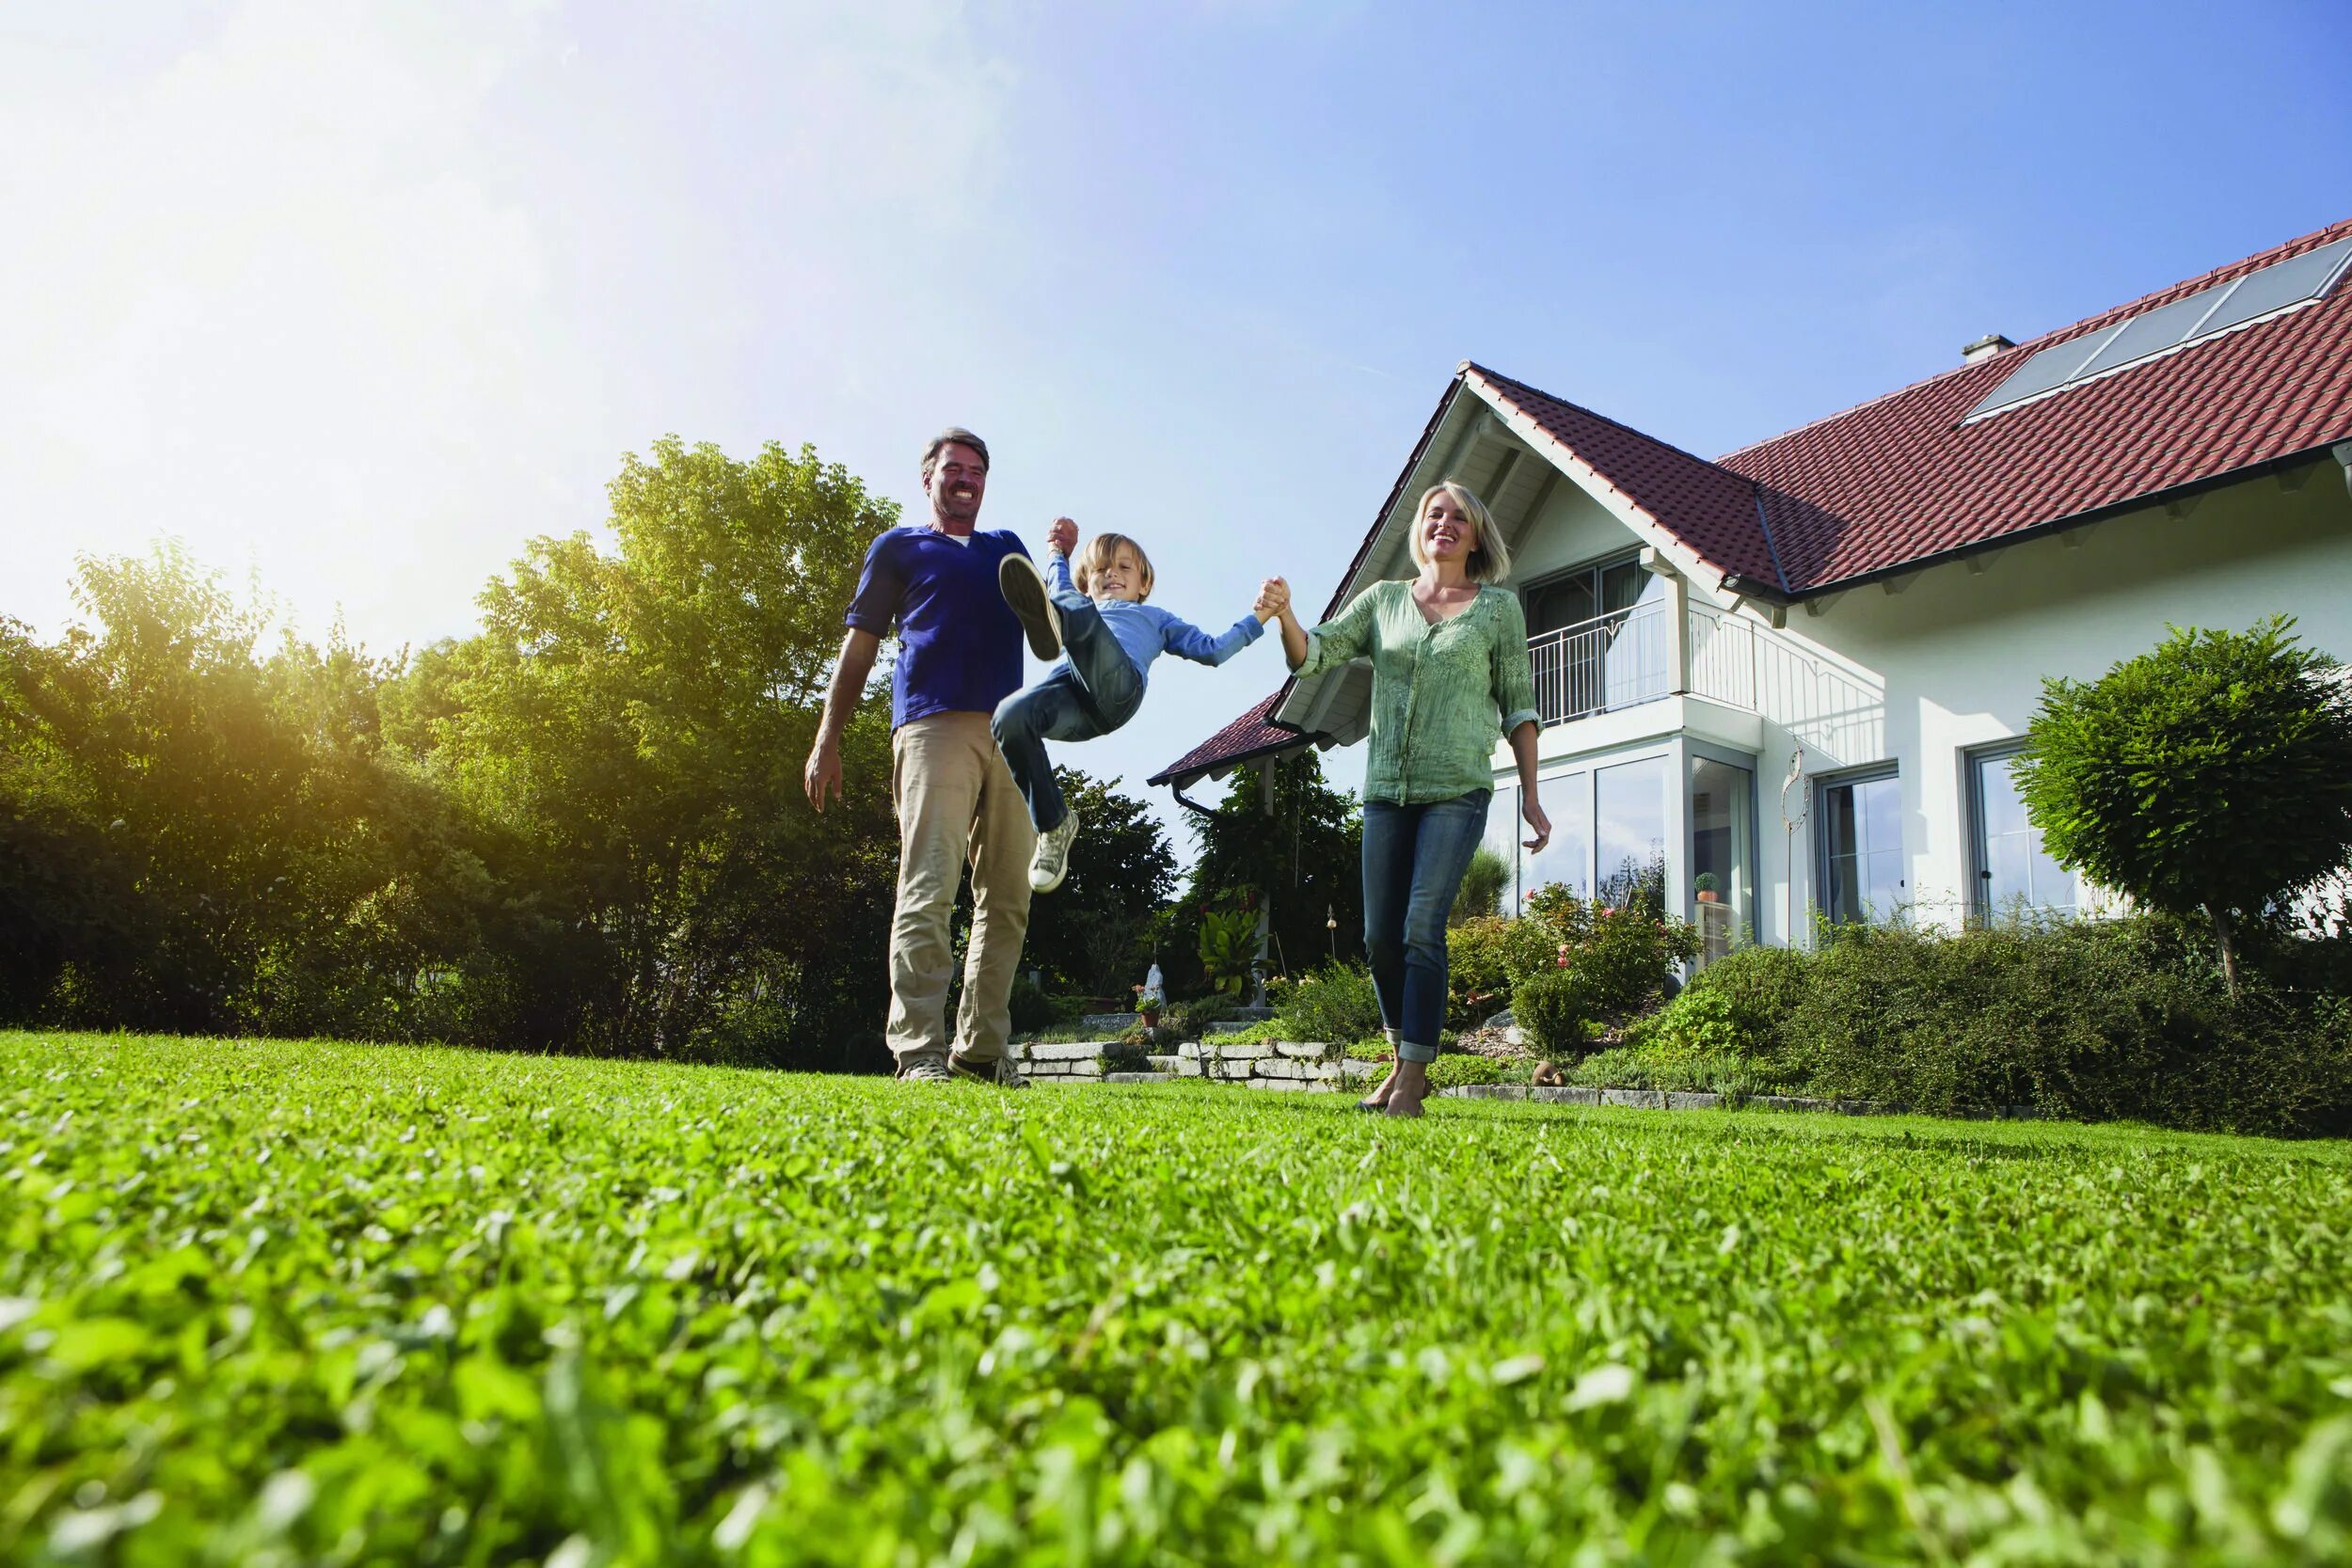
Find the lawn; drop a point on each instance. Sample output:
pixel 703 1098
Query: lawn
pixel 324 1303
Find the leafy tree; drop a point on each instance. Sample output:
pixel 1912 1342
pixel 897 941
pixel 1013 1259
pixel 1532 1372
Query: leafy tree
pixel 1306 857
pixel 2212 775
pixel 1094 932
pixel 633 721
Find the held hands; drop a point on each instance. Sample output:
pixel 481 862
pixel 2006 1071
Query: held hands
pixel 1532 811
pixel 1062 538
pixel 1273 598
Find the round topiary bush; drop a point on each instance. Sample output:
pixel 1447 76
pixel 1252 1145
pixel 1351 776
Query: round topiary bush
pixel 1550 1011
pixel 1762 986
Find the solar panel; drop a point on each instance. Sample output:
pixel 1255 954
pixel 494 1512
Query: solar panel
pixel 2258 294
pixel 2159 329
pixel 2052 367
pixel 2183 321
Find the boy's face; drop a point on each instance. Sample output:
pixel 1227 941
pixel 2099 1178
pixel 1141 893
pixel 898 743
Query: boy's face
pixel 1120 578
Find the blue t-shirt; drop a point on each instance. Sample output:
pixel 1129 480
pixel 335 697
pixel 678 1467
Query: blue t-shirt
pixel 959 642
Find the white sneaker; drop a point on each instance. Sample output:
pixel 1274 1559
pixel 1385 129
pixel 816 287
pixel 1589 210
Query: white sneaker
pixel 1051 862
pixel 1025 590
pixel 925 1070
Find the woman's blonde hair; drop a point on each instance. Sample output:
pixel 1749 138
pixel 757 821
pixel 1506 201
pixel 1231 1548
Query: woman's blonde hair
pixel 1101 551
pixel 1489 558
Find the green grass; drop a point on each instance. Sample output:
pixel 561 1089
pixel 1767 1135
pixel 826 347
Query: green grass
pixel 318 1303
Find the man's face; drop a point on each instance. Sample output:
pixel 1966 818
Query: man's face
pixel 955 484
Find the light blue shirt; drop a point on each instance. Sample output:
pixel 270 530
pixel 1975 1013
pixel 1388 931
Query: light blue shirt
pixel 1146 631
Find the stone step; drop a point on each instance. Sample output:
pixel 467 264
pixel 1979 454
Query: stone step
pixel 1138 1078
pixel 1113 1024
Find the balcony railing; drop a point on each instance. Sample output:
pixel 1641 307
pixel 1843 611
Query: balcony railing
pixel 1609 661
pixel 1617 660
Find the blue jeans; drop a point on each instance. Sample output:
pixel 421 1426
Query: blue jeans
pixel 1099 692
pixel 1414 858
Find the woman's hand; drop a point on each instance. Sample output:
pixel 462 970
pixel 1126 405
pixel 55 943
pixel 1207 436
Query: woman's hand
pixel 1537 823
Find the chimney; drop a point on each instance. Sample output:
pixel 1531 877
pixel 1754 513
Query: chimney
pixel 1984 348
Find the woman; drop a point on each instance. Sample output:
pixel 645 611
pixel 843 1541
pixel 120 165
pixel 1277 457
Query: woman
pixel 1449 660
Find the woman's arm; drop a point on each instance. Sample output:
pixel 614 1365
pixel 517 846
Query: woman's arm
pixel 1530 809
pixel 1336 642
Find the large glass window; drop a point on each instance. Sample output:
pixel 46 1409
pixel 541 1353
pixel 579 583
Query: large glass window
pixel 2012 870
pixel 1722 819
pixel 1630 832
pixel 1567 799
pixel 1861 848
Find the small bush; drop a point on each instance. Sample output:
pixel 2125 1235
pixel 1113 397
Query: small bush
pixel 1761 986
pixel 1631 1070
pixel 1449 1073
pixel 1481 892
pixel 1694 1024
pixel 1032 1009
pixel 1335 1003
pixel 1550 1011
pixel 1190 1020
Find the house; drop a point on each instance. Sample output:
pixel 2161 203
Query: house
pixel 1789 680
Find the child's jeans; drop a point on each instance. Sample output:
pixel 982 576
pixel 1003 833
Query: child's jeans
pixel 1096 694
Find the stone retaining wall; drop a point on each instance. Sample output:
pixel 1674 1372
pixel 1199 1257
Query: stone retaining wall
pixel 1281 1064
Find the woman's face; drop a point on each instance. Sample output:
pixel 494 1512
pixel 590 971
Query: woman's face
pixel 1446 532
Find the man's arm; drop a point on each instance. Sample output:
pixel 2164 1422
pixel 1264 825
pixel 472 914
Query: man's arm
pixel 822 776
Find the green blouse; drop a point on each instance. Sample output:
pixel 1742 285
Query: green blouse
pixel 1437 688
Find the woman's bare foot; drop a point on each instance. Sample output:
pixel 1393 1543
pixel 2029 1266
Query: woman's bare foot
pixel 1379 1098
pixel 1408 1087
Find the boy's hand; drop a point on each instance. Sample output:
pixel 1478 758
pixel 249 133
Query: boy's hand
pixel 1062 537
pixel 1273 596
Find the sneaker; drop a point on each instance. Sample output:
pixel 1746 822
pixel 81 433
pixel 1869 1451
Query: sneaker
pixel 1000 1071
pixel 924 1069
pixel 1025 590
pixel 1051 862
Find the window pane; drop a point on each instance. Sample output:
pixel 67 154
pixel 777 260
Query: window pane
pixel 1567 858
pixel 1861 824
pixel 1503 815
pixel 2015 873
pixel 1722 814
pixel 1630 832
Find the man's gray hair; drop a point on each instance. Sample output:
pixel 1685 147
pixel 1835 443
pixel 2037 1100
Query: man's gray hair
pixel 955 435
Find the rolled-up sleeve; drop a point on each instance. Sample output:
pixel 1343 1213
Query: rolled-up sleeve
pixel 1344 637
pixel 1513 676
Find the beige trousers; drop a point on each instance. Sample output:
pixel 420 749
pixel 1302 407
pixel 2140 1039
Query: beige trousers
pixel 955 800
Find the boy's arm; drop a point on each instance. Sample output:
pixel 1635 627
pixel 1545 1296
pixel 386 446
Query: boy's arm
pixel 1186 641
pixel 1057 573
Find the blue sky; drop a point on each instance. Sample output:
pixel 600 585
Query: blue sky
pixel 356 299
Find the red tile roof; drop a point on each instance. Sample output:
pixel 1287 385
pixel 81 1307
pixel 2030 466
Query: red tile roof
pixel 1899 481
pixel 1247 737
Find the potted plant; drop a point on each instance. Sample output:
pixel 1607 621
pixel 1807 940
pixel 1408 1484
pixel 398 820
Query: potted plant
pixel 1150 998
pixel 1706 882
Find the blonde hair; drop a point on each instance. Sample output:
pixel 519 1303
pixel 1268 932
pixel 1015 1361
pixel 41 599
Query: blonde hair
pixel 1489 558
pixel 1101 551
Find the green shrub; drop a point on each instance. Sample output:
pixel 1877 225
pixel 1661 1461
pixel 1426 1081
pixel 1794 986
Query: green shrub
pixel 1334 1004
pixel 1451 1071
pixel 1550 1011
pixel 1631 1070
pixel 2090 1020
pixel 1761 986
pixel 1032 1009
pixel 1481 892
pixel 1695 1023
pixel 1190 1020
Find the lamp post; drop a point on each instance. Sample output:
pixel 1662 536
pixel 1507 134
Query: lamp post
pixel 1331 924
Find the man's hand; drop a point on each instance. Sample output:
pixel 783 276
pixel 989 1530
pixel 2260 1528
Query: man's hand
pixel 821 778
pixel 1062 537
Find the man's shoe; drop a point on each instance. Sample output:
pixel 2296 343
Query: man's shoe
pixel 1024 589
pixel 1051 862
pixel 1000 1071
pixel 925 1070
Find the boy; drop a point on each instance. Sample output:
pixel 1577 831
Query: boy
pixel 1112 637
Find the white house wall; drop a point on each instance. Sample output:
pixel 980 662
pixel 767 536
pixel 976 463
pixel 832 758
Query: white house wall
pixel 1960 655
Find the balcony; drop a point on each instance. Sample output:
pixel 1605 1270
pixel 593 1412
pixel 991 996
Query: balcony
pixel 1631 657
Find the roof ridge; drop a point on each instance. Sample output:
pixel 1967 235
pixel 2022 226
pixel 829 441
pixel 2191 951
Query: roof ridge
pixel 2326 234
pixel 1597 414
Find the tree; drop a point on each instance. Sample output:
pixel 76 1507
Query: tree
pixel 1306 857
pixel 2212 775
pixel 1094 931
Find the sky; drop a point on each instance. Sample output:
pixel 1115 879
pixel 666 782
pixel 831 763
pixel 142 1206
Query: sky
pixel 356 299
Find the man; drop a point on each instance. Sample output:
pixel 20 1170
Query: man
pixel 958 656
